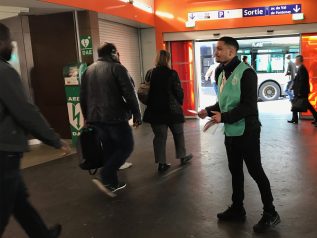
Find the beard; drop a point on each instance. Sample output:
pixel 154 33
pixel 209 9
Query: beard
pixel 6 54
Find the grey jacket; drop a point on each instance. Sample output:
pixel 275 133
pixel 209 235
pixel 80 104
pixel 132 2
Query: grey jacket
pixel 107 93
pixel 18 117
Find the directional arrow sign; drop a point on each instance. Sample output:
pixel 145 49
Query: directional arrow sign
pixel 284 9
pixel 297 9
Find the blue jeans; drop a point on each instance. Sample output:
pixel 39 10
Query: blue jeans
pixel 14 198
pixel 289 91
pixel 215 86
pixel 117 140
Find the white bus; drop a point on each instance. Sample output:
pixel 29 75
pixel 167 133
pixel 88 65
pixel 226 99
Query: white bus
pixel 266 55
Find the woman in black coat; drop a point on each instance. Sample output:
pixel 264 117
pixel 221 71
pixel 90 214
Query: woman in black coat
pixel 164 110
pixel 301 88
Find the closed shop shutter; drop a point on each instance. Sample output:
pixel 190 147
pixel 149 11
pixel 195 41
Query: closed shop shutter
pixel 126 39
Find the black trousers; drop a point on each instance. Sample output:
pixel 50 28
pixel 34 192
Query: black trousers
pixel 14 198
pixel 117 140
pixel 247 148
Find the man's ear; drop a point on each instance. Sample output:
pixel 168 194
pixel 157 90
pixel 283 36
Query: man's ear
pixel 232 51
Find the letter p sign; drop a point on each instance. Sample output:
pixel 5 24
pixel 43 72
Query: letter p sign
pixel 221 14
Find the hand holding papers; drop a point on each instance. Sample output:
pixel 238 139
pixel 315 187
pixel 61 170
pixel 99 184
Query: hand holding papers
pixel 193 111
pixel 209 124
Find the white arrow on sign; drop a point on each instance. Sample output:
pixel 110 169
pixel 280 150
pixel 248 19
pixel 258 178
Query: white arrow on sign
pixel 296 9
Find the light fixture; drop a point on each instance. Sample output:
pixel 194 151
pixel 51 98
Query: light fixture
pixel 164 14
pixel 142 6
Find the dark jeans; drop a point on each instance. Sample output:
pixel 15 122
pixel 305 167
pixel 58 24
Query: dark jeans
pixel 117 140
pixel 160 137
pixel 310 108
pixel 247 148
pixel 14 198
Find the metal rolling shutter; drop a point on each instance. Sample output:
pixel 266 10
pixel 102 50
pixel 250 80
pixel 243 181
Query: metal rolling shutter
pixel 126 39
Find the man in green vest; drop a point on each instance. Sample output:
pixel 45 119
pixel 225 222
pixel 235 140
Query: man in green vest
pixel 237 109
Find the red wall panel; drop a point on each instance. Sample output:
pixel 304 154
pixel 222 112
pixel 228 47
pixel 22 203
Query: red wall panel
pixel 182 62
pixel 309 51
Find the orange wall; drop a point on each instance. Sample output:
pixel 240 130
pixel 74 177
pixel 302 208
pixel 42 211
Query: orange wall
pixel 180 8
pixel 111 7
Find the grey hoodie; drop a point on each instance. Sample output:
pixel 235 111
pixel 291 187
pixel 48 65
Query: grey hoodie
pixel 18 117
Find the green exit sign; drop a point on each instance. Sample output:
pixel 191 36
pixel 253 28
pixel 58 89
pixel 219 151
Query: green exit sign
pixel 298 16
pixel 86 45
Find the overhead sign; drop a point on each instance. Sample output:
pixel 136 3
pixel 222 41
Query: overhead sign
pixel 246 12
pixel 272 10
pixel 215 15
pixel 284 9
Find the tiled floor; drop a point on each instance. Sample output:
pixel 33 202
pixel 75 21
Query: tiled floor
pixel 183 203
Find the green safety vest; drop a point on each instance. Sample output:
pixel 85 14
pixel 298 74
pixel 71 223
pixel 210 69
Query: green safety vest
pixel 229 98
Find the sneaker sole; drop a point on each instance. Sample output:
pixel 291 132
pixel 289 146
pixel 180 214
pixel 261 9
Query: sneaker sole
pixel 103 189
pixel 117 189
pixel 126 166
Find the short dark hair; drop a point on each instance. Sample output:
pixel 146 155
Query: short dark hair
pixel 4 32
pixel 230 41
pixel 300 58
pixel 244 57
pixel 106 49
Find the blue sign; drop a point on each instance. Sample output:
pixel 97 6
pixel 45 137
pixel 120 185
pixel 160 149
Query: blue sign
pixel 253 12
pixel 221 14
pixel 272 10
pixel 284 9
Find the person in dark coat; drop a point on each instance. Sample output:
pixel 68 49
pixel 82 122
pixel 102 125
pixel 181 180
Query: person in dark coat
pixel 164 110
pixel 18 118
pixel 302 89
pixel 108 100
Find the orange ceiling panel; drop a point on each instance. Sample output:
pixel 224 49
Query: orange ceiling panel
pixel 111 7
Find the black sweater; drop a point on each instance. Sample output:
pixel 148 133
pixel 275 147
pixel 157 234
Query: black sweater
pixel 248 107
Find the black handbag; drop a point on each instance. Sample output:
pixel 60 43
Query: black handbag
pixel 90 149
pixel 299 104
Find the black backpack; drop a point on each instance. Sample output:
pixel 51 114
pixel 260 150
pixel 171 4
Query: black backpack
pixel 90 149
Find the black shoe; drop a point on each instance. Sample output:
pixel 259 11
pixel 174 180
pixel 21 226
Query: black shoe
pixel 232 214
pixel 314 122
pixel 267 221
pixel 55 231
pixel 108 189
pixel 163 167
pixel 293 121
pixel 185 159
pixel 117 187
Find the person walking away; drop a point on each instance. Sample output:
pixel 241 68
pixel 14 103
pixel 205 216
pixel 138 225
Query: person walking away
pixel 302 89
pixel 237 109
pixel 108 101
pixel 291 72
pixel 211 72
pixel 245 60
pixel 164 110
pixel 18 117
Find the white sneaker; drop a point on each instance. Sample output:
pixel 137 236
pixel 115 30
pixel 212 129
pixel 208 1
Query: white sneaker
pixel 125 165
